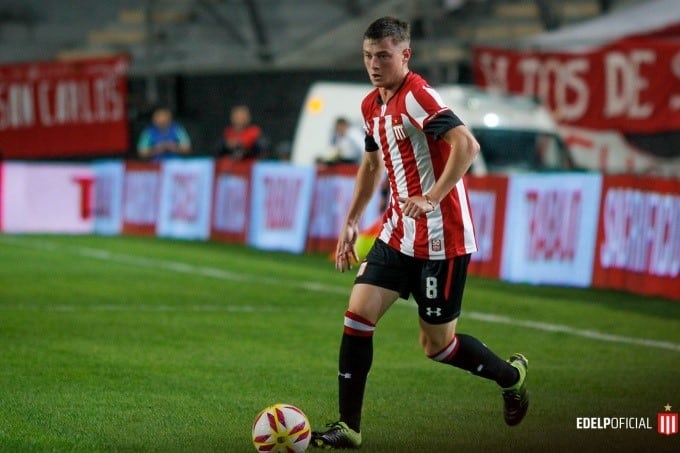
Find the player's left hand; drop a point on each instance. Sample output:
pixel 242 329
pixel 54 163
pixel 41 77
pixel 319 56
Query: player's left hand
pixel 415 206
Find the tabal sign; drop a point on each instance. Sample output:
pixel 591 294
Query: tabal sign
pixel 63 108
pixel 551 221
pixel 632 85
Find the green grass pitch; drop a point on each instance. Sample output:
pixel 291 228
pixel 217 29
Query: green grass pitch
pixel 142 344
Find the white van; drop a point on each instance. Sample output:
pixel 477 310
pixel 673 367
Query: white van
pixel 516 133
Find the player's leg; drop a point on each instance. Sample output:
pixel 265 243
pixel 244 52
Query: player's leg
pixel 442 344
pixel 439 299
pixel 366 306
pixel 375 290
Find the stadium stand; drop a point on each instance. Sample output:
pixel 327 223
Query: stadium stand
pixel 193 36
pixel 200 56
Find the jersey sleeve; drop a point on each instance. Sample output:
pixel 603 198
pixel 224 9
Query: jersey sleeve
pixel 370 144
pixel 442 123
pixel 427 108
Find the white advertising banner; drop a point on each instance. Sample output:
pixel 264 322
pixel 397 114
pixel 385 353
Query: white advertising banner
pixel 281 203
pixel 186 194
pixel 108 197
pixel 551 228
pixel 47 198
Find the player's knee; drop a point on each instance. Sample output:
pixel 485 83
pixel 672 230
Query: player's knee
pixel 435 338
pixel 442 351
pixel 433 345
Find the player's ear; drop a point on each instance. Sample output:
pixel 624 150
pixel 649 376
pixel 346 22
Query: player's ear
pixel 406 54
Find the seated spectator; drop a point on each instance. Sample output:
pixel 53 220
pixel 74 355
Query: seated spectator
pixel 242 139
pixel 163 138
pixel 347 144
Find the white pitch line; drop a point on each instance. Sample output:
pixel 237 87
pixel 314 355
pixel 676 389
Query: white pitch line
pixel 146 308
pixel 212 272
pixel 170 265
pixel 592 334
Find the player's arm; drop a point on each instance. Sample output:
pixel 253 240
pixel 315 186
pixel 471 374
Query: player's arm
pixel 368 179
pixel 464 150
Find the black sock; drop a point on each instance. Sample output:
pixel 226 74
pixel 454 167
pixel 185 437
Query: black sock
pixel 356 357
pixel 472 355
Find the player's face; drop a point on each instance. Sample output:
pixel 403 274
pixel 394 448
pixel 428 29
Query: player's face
pixel 386 62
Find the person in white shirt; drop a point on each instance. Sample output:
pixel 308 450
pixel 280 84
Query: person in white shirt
pixel 347 144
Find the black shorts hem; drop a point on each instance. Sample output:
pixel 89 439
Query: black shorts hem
pixel 368 281
pixel 438 321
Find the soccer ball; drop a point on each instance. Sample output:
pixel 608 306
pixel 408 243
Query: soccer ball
pixel 281 428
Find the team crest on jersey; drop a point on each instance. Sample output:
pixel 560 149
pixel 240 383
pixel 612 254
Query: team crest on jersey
pixel 398 128
pixel 436 245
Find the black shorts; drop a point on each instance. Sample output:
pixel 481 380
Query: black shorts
pixel 436 285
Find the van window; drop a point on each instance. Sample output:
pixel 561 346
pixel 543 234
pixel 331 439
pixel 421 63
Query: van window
pixel 511 150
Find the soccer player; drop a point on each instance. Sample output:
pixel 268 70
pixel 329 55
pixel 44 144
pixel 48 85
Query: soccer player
pixel 426 239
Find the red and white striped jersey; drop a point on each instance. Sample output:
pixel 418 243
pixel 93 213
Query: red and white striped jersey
pixel 414 160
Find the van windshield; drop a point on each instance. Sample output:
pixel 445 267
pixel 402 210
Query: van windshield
pixel 512 150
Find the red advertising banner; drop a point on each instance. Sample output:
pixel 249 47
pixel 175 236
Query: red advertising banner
pixel 231 201
pixel 638 237
pixel 63 108
pixel 332 194
pixel 631 85
pixel 1 195
pixel 141 197
pixel 488 196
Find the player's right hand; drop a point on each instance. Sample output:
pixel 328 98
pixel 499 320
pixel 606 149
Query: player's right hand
pixel 345 252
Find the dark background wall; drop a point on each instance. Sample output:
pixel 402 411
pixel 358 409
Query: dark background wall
pixel 202 102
